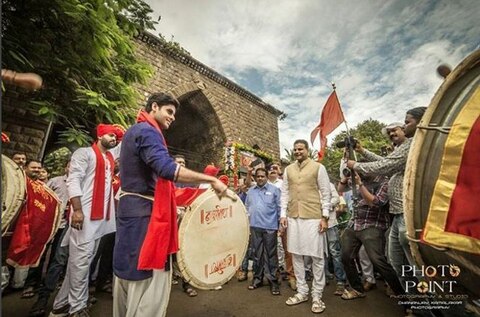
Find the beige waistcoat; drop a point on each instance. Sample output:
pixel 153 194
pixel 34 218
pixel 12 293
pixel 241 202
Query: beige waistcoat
pixel 303 191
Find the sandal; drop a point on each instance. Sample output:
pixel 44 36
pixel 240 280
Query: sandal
pixel 275 291
pixel 254 286
pixel 29 292
pixel 318 306
pixel 191 292
pixel 296 299
pixel 353 294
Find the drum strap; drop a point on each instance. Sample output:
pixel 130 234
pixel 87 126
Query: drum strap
pixel 123 193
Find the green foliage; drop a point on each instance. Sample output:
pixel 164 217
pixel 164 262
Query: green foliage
pixel 368 132
pixel 84 51
pixel 313 154
pixel 258 153
pixel 56 161
pixel 172 45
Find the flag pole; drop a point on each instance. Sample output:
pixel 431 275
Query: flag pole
pixel 345 118
pixel 341 109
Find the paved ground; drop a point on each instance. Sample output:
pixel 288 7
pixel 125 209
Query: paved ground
pixel 235 300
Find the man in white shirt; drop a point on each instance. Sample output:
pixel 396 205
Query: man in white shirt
pixel 305 211
pixel 89 186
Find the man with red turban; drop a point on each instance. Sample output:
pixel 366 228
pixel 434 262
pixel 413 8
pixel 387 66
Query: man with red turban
pixel 89 185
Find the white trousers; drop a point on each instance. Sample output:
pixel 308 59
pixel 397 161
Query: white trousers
pixel 318 269
pixel 74 290
pixel 367 266
pixel 145 298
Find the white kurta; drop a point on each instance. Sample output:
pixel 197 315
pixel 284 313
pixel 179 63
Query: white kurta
pixel 80 183
pixel 303 235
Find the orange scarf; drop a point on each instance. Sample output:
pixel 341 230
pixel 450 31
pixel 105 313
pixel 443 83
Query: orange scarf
pixel 98 200
pixel 162 234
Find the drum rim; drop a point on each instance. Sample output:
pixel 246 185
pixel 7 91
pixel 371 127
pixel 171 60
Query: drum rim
pixel 181 258
pixel 424 253
pixel 19 190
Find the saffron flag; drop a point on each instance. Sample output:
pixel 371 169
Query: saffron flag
pixel 331 118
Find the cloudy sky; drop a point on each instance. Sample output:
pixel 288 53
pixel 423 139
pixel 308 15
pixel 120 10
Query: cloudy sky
pixel 381 54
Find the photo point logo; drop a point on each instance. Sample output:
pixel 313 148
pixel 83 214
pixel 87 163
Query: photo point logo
pixel 431 279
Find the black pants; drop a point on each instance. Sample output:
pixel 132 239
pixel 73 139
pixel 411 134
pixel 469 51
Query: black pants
pixel 264 244
pixel 374 241
pixel 34 277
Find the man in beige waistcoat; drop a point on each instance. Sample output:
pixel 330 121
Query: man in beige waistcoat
pixel 305 210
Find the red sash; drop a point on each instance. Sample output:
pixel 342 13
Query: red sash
pixel 98 200
pixel 35 226
pixel 162 234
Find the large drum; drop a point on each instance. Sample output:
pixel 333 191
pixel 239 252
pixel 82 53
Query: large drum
pixel 213 240
pixel 442 182
pixel 13 191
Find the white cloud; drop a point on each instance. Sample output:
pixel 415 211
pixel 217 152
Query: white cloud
pixel 381 54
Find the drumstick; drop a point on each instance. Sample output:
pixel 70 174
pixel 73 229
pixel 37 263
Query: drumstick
pixel 28 81
pixel 443 70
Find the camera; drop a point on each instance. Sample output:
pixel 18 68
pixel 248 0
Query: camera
pixel 349 142
pixel 346 172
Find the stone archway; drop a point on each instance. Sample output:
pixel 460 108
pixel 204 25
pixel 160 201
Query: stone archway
pixel 197 132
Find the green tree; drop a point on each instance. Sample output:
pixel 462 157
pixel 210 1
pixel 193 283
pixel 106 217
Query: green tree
pixel 313 154
pixel 84 51
pixel 368 132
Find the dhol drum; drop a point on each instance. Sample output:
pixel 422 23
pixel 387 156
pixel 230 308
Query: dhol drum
pixel 213 240
pixel 442 184
pixel 13 192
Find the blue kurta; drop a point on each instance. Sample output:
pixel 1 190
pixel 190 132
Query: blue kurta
pixel 143 159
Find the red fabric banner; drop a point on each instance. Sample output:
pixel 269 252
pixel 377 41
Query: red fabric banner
pixel 331 118
pixel 463 217
pixel 34 227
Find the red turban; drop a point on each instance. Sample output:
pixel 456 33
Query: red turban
pixel 103 129
pixel 211 170
pixel 119 132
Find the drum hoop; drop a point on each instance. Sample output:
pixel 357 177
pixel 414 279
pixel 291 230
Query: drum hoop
pixel 418 142
pixel 16 177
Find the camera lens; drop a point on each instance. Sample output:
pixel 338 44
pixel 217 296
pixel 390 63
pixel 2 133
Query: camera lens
pixel 346 172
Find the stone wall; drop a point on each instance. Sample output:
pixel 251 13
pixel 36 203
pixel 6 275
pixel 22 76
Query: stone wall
pixel 241 116
pixel 214 110
pixel 26 130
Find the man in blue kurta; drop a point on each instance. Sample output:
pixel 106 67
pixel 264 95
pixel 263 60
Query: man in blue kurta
pixel 263 206
pixel 146 225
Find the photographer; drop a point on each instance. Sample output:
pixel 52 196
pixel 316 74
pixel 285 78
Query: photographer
pixel 367 227
pixel 394 165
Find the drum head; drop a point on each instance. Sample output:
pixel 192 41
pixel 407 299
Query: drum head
pixel 436 156
pixel 13 191
pixel 213 239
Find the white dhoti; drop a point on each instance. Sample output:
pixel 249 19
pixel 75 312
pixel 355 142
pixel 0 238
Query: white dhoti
pixel 145 298
pixel 304 238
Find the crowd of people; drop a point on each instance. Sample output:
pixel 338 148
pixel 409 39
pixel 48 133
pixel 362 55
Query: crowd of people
pixel 302 208
pixel 124 240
